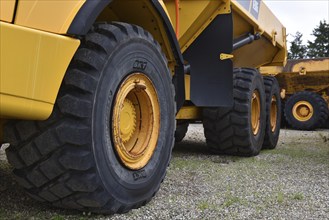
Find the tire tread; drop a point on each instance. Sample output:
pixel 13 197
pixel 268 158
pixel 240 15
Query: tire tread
pixel 226 130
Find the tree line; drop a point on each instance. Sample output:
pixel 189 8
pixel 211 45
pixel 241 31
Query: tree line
pixel 317 48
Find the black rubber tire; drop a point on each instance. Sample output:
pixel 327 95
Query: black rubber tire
pixel 326 124
pixel 181 130
pixel 320 111
pixel 68 160
pixel 272 89
pixel 284 123
pixel 229 131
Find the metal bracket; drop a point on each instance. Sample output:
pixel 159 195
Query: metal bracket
pixel 283 93
pixel 225 7
pixel 302 71
pixel 274 33
pixel 225 56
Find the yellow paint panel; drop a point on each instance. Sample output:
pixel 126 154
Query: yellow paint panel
pixel 32 64
pixel 48 15
pixel 21 108
pixel 311 65
pixel 271 49
pixel 189 112
pixel 7 8
pixel 187 87
pixel 269 23
pixel 266 22
pixel 195 16
pixel 270 70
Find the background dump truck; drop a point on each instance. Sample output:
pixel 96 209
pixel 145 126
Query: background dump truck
pixel 305 91
pixel 90 90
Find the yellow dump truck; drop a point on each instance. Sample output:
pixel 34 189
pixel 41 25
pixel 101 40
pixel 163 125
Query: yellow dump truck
pixel 305 91
pixel 91 91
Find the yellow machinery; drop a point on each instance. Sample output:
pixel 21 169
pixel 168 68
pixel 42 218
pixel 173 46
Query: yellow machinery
pixel 91 91
pixel 305 92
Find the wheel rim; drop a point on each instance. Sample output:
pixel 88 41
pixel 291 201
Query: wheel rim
pixel 303 111
pixel 255 112
pixel 273 113
pixel 136 121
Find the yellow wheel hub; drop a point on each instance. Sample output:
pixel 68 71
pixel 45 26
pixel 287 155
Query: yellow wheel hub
pixel 303 111
pixel 127 121
pixel 136 121
pixel 273 113
pixel 255 112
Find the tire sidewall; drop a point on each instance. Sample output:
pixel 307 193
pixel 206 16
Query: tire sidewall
pixel 257 140
pixel 140 185
pixel 273 136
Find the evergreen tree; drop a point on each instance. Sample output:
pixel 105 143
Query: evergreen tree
pixel 320 46
pixel 297 49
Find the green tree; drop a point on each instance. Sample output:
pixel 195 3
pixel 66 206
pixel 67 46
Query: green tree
pixel 320 46
pixel 297 49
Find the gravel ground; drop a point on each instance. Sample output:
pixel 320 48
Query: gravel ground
pixel 290 182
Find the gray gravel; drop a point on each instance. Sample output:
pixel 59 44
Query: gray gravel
pixel 290 182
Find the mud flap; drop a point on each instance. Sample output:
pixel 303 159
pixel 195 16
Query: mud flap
pixel 211 77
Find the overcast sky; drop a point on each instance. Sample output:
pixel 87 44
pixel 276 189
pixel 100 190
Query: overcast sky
pixel 302 16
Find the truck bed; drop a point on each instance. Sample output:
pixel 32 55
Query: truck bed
pixel 255 16
pixel 249 17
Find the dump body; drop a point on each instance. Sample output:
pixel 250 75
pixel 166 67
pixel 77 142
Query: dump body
pixel 271 49
pixel 305 75
pixel 248 17
pixel 302 75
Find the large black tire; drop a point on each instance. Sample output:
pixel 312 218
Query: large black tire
pixel 326 124
pixel 229 131
pixel 284 123
pixel 273 112
pixel 69 160
pixel 181 130
pixel 308 100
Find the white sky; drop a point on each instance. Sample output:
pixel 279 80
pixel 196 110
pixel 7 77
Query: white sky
pixel 302 16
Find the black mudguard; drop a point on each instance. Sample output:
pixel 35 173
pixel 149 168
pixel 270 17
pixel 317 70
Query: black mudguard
pixel 212 78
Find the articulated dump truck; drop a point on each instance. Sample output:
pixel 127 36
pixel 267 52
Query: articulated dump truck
pixel 304 87
pixel 92 90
